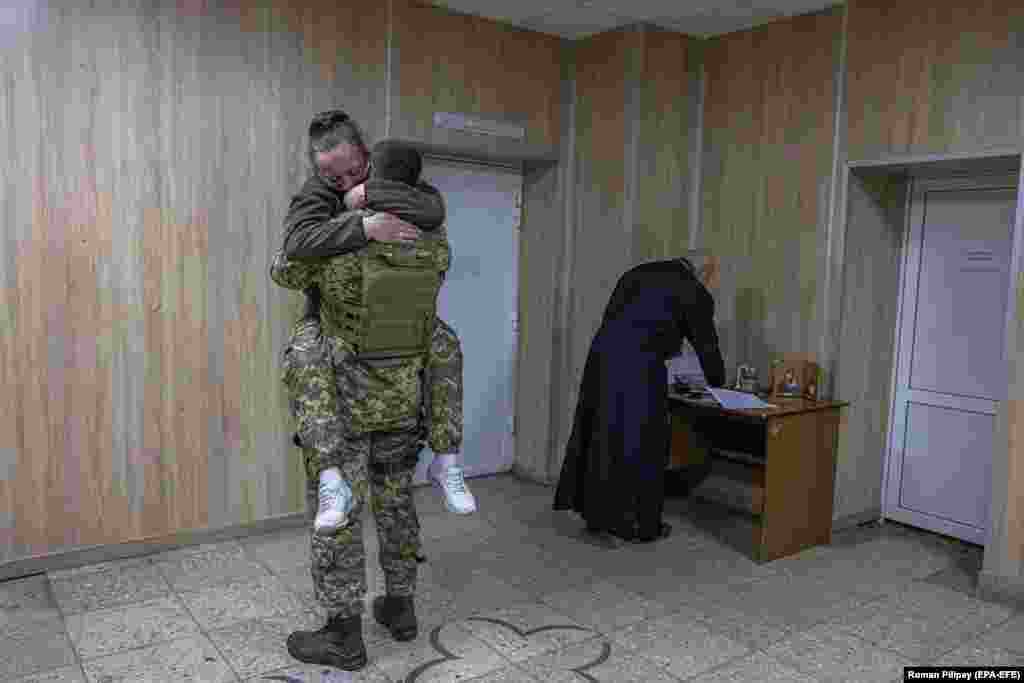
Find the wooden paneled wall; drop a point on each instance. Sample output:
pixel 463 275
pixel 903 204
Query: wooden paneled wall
pixel 1002 574
pixel 449 62
pixel 932 78
pixel 634 127
pixel 927 79
pixel 602 243
pixel 148 163
pixel 873 252
pixel 767 160
pixel 151 156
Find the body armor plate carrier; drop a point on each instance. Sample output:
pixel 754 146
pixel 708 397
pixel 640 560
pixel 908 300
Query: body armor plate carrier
pixel 382 299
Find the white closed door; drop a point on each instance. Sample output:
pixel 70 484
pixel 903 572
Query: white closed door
pixel 951 372
pixel 479 300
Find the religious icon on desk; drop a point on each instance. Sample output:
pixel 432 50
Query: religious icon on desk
pixel 789 385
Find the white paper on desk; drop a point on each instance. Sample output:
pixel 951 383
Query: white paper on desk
pixel 737 400
pixel 686 367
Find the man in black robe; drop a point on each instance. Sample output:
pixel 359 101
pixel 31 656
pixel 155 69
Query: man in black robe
pixel 614 468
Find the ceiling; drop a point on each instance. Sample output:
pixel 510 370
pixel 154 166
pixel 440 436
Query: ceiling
pixel 574 19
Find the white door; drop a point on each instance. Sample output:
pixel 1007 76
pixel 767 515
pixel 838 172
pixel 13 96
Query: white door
pixel 951 373
pixel 479 300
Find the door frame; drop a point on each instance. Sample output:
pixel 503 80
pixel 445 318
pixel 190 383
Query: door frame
pixel 491 165
pixel 913 212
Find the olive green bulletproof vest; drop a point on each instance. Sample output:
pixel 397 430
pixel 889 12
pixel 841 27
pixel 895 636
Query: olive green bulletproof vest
pixel 382 299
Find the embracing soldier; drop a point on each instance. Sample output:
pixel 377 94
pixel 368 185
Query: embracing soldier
pixel 371 374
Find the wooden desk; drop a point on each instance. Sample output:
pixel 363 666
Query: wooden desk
pixel 789 451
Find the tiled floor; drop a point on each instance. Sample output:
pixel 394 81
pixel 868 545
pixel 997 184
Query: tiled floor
pixel 518 593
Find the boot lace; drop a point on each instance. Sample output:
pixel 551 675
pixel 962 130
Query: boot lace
pixel 455 479
pixel 329 496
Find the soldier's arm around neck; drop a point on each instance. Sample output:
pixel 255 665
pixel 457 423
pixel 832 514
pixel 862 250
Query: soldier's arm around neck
pixel 422 205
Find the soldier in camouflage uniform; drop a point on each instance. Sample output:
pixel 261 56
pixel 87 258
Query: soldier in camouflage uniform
pixel 375 430
pixel 401 305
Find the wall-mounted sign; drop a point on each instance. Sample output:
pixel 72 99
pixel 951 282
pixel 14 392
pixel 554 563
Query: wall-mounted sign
pixel 479 125
pixel 979 259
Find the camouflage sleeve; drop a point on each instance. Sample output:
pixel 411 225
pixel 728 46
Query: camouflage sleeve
pixel 293 274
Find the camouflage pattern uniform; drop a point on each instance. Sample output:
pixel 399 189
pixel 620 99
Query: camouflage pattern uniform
pixel 371 425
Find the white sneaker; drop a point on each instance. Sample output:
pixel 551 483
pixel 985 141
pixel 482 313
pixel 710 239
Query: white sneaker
pixel 457 497
pixel 335 502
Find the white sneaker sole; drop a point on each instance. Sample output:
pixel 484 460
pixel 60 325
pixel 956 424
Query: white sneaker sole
pixel 328 530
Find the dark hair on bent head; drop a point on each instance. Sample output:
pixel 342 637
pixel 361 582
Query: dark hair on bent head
pixel 396 161
pixel 328 129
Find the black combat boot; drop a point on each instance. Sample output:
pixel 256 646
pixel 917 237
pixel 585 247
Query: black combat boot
pixel 396 614
pixel 338 644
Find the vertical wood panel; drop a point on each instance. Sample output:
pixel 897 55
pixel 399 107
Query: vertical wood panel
pixel 926 78
pixel 149 158
pixel 452 62
pixel 602 245
pixel 661 216
pixel 874 242
pixel 768 122
pixel 540 246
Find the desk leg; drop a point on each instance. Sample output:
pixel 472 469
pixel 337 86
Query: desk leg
pixel 799 483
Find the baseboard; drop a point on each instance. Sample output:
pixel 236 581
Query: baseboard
pixel 79 557
pixel 1003 589
pixel 526 475
pixel 850 521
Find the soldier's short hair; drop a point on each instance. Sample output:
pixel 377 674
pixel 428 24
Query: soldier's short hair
pixel 330 128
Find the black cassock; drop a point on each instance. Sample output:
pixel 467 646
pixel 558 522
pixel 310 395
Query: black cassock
pixel 614 468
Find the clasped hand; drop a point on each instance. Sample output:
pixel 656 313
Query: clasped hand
pixel 382 227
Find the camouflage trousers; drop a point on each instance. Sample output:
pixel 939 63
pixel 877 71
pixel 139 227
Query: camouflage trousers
pixel 378 467
pixel 308 374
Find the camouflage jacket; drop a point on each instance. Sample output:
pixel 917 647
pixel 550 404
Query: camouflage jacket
pixel 319 232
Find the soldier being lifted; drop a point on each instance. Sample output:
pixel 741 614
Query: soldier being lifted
pixel 374 285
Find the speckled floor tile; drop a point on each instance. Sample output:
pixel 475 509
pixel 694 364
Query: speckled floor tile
pixel 518 632
pixel 108 585
pixel 280 552
pixel 788 601
pixel 484 592
pixel 978 653
pixel 679 643
pixel 677 579
pixel 65 674
pixel 189 659
pixel 31 646
pixel 26 600
pixel 223 605
pixel 832 656
pixel 309 673
pixel 755 631
pixel 191 569
pixel 509 674
pixel 1008 635
pixel 536 573
pixel 447 525
pixel 756 667
pixel 258 646
pixel 604 606
pixel 921 620
pixel 444 654
pixel 104 632
pixel 598 660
